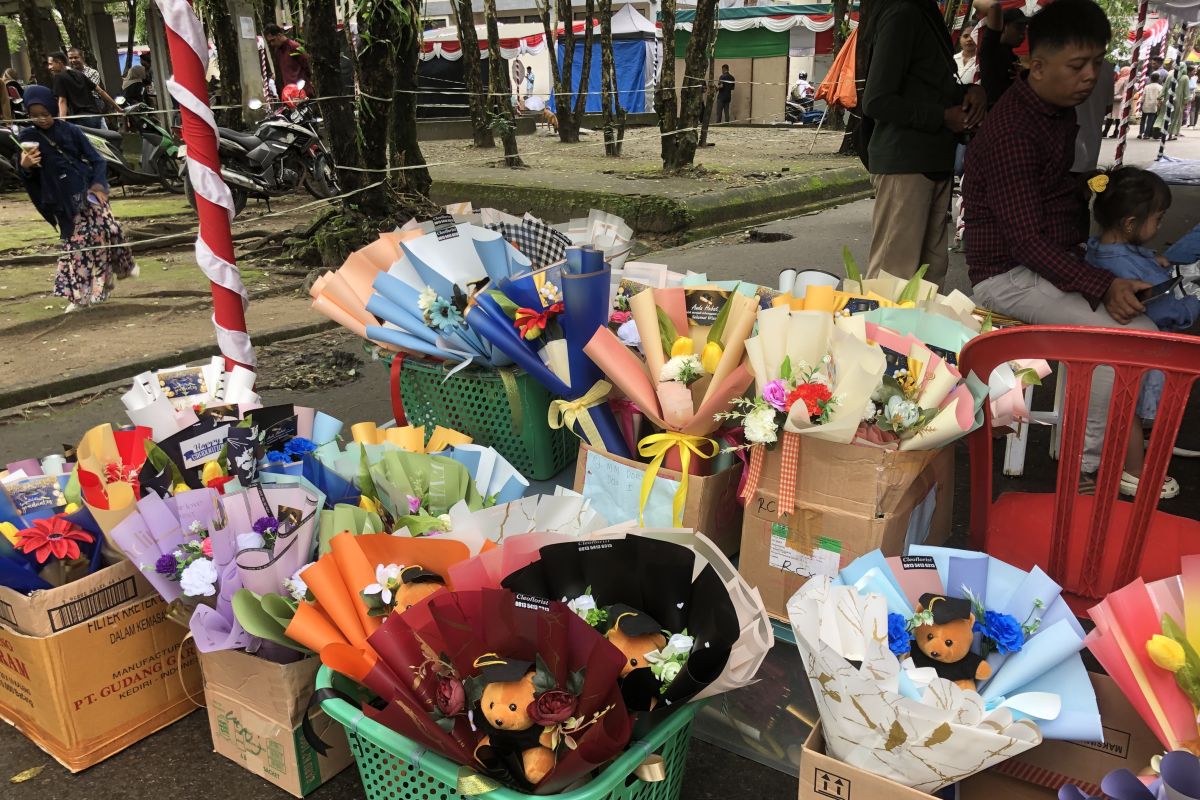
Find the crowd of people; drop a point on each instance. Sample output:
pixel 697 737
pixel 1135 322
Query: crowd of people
pixel 1027 140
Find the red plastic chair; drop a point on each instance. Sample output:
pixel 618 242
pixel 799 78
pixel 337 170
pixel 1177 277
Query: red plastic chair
pixel 1090 545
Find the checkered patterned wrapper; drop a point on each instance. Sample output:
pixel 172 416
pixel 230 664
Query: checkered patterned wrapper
pixel 540 243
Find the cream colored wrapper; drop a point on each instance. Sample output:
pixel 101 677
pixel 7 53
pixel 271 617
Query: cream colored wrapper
pixel 645 316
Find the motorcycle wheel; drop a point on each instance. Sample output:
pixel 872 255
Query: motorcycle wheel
pixel 239 195
pixel 170 173
pixel 321 182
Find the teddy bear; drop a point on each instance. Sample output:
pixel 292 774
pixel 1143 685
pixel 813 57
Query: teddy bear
pixel 512 739
pixel 944 641
pixel 635 634
pixel 417 583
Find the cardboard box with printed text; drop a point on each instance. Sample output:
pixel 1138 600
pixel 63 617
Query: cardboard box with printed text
pixel 92 690
pixel 780 554
pixel 712 506
pixel 1034 775
pixel 255 711
pixel 44 613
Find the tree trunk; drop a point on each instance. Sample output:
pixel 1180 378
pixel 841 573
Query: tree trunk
pixel 224 31
pixel 585 73
pixel 464 19
pixel 500 90
pixel 610 102
pixel 74 21
pixel 708 106
pixel 129 41
pixel 692 99
pixel 557 84
pixel 30 17
pixel 380 25
pixel 568 126
pixel 324 45
pixel 840 32
pixel 665 103
pixel 265 11
pixel 405 148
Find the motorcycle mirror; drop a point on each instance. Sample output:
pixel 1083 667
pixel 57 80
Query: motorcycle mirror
pixel 255 104
pixel 300 84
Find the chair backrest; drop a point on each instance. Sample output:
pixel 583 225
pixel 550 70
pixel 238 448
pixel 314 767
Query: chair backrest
pixel 1130 353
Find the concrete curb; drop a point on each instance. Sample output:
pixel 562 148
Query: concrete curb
pixel 32 393
pixel 708 212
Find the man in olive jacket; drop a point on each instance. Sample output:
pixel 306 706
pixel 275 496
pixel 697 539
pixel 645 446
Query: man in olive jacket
pixel 919 110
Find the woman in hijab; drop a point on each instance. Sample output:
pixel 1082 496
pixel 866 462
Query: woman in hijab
pixel 65 178
pixel 134 84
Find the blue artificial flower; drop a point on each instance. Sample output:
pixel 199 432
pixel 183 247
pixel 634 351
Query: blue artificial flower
pixel 1002 630
pixel 443 316
pixel 899 638
pixel 277 457
pixel 298 446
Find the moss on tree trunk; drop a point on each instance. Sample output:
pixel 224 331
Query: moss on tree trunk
pixel 692 96
pixel 500 90
pixel 464 18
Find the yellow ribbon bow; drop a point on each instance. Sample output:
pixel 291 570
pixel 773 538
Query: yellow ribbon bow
pixel 655 447
pixel 575 412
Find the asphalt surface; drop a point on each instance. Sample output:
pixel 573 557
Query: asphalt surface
pixel 178 761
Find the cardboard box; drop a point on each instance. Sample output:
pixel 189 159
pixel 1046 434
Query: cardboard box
pixel 255 711
pixel 780 554
pixel 48 612
pixel 855 479
pixel 92 690
pixel 1036 774
pixel 712 506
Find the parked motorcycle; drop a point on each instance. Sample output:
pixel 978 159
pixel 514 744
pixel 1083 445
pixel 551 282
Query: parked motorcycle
pixel 109 145
pixel 160 147
pixel 284 152
pixel 10 154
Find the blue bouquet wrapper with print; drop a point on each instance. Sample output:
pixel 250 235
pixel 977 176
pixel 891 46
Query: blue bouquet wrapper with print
pixel 326 480
pixel 19 571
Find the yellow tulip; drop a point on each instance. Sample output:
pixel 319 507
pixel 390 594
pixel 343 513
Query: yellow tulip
pixel 211 470
pixel 683 346
pixel 71 508
pixel 180 488
pixel 368 504
pixel 9 531
pixel 1166 653
pixel 711 357
pixel 906 304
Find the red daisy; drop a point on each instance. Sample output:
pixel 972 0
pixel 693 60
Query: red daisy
pixel 54 536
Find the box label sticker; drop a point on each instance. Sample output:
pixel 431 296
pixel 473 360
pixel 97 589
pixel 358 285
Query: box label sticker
pixel 827 784
pixel 825 558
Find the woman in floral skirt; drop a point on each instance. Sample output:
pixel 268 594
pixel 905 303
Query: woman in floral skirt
pixel 66 179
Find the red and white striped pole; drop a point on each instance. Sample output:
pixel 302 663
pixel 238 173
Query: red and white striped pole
pixel 214 204
pixel 1132 84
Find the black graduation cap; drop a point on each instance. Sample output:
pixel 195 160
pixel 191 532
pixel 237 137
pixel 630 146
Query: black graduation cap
pixel 494 669
pixel 945 609
pixel 418 574
pixel 631 622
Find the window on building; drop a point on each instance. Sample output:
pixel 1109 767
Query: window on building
pixel 508 20
pixel 432 23
pixel 532 18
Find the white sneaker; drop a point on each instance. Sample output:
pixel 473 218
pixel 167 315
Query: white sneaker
pixel 1129 486
pixel 70 307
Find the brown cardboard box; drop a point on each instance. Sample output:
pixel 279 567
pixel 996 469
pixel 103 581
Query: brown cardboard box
pixel 45 613
pixel 92 690
pixel 779 554
pixel 712 506
pixel 855 479
pixel 255 711
pixel 1034 775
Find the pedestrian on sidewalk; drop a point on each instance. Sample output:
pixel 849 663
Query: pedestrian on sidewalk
pixel 1151 99
pixel 725 85
pixel 66 180
pixel 290 58
pixel 1003 32
pixel 77 94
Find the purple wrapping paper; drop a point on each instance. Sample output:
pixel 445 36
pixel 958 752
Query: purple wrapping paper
pixel 1180 780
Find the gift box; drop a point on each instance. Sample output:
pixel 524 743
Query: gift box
pixel 87 692
pixel 614 486
pixel 1033 775
pixel 780 553
pixel 50 611
pixel 255 712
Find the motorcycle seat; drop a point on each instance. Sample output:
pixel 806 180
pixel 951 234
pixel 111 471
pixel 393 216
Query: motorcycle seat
pixel 246 140
pixel 109 136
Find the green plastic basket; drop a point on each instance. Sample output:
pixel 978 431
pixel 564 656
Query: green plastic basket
pixel 395 768
pixel 501 408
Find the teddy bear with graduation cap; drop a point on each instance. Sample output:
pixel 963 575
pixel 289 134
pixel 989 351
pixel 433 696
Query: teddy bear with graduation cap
pixel 943 637
pixel 514 742
pixel 636 634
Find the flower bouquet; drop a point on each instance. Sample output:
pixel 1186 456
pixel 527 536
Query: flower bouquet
pixel 108 464
pixel 520 692
pixel 677 390
pixel 169 400
pixel 1178 779
pixel 541 242
pixel 605 232
pixel 49 550
pixel 893 648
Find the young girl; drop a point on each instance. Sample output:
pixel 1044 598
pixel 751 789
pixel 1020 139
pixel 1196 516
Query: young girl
pixel 1129 206
pixel 65 178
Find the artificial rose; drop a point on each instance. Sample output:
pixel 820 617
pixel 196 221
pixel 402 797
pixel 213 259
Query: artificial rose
pixel 628 334
pixel 901 413
pixel 450 696
pixel 759 426
pixel 249 541
pixel 669 671
pixel 553 707
pixel 199 578
pixel 620 317
pixel 206 548
pixel 776 394
pixel 812 395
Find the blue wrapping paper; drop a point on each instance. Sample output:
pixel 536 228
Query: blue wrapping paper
pixel 582 317
pixel 407 341
pixel 500 259
pixel 591 260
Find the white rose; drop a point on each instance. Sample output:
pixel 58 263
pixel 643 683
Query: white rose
pixel 447 521
pixel 249 541
pixel 582 604
pixel 628 334
pixel 199 578
pixel 669 671
pixel 680 643
pixel 759 425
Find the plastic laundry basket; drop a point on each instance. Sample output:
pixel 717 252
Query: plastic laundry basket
pixel 502 408
pixel 396 768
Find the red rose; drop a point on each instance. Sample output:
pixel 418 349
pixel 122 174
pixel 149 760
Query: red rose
pixel 553 707
pixel 812 395
pixel 450 697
